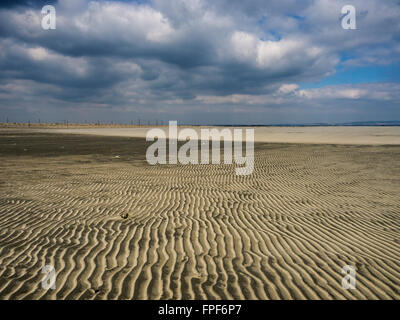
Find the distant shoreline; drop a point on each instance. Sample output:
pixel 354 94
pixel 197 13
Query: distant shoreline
pixel 66 125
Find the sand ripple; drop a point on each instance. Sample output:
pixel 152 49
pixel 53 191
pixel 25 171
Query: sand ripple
pixel 200 232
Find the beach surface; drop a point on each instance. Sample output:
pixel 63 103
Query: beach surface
pixel 115 227
pixel 310 135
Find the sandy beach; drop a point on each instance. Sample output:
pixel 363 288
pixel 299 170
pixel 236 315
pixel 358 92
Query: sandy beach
pixel 310 135
pixel 115 227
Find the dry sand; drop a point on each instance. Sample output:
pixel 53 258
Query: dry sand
pixel 118 228
pixel 309 135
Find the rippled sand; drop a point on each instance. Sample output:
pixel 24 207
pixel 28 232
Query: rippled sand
pixel 115 227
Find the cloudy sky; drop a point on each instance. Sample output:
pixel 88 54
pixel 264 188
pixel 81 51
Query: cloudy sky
pixel 200 61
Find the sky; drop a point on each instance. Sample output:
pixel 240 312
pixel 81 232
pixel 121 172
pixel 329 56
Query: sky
pixel 200 61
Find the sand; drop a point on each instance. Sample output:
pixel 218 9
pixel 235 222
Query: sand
pixel 310 135
pixel 115 227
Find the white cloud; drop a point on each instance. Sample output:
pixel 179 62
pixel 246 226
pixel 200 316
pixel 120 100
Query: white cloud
pixel 244 45
pixel 131 23
pixel 371 91
pixel 288 88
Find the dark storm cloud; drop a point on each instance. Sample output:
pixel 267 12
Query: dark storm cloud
pixel 169 56
pixel 25 3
